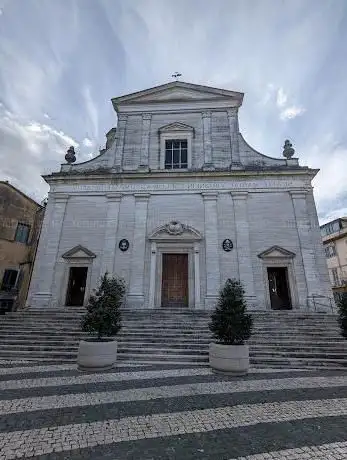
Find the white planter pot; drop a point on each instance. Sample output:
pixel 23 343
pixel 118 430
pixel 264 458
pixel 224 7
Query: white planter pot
pixel 94 355
pixel 231 359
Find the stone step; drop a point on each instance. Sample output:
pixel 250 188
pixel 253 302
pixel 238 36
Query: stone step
pixel 297 363
pixel 278 352
pixel 173 334
pixel 192 358
pixel 177 343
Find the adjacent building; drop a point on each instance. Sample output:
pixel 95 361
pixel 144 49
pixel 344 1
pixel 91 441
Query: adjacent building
pixel 20 224
pixel 334 235
pixel 177 203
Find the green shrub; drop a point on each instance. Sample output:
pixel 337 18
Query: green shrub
pixel 103 317
pixel 230 324
pixel 342 306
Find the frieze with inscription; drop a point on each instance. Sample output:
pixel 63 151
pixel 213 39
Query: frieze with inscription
pixel 182 186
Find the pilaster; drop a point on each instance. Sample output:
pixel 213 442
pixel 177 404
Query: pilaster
pixel 197 293
pixel 302 219
pixel 207 141
pixel 212 250
pixel 146 126
pixel 151 300
pixel 121 127
pixel 110 239
pixel 46 258
pixel 234 138
pixel 136 289
pixel 243 246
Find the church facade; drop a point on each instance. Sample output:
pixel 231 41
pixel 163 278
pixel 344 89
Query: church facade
pixel 177 203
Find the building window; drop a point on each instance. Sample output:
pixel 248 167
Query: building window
pixel 22 233
pixel 176 146
pixel 336 280
pixel 330 251
pixel 176 154
pixel 9 280
pixel 331 227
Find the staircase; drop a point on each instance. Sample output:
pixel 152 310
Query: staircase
pixel 280 339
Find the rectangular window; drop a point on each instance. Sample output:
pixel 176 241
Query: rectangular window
pixel 22 233
pixel 330 251
pixel 335 276
pixel 176 154
pixel 9 280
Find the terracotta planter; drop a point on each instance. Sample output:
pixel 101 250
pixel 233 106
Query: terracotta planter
pixel 230 359
pixel 94 355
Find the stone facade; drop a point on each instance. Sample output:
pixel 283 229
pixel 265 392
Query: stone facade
pixel 334 235
pixel 226 191
pixel 17 250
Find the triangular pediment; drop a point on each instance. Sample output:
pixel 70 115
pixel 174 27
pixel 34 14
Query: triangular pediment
pixel 175 127
pixel 276 252
pixel 79 252
pixel 178 91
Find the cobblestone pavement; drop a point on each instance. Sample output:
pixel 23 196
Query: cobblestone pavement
pixel 54 412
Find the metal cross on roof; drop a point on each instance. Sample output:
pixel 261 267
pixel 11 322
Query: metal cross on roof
pixel 176 75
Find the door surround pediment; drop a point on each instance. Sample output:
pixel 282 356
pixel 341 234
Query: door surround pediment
pixel 78 252
pixel 276 252
pixel 175 231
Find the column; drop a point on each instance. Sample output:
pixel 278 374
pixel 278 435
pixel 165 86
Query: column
pixel 207 141
pixel 197 295
pixel 121 125
pixel 146 126
pixel 212 249
pixel 136 291
pixel 40 294
pixel 243 246
pixel 110 238
pixel 151 302
pixel 306 245
pixel 234 137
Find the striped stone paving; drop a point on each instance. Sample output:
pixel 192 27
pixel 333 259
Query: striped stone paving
pixel 54 412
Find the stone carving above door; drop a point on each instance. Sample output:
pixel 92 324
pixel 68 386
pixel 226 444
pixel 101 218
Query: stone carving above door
pixel 175 230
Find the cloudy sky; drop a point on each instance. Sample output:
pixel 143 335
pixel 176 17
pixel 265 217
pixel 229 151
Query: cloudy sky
pixel 61 61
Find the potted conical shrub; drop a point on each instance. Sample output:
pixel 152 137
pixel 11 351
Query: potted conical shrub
pixel 231 327
pixel 103 322
pixel 342 307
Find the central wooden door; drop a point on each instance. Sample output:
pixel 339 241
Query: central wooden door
pixel 175 280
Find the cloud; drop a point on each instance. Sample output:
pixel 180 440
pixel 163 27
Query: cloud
pixel 340 212
pixel 29 149
pixel 91 110
pixel 87 142
pixel 107 48
pixel 281 98
pixel 291 112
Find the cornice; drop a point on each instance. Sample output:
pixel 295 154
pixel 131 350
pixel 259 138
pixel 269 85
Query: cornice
pixel 160 174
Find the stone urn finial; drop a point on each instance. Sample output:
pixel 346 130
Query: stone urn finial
pixel 288 150
pixel 70 156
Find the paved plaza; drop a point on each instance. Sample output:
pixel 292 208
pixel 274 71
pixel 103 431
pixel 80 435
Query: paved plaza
pixel 170 412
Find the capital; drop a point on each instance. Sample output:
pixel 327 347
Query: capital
pixel 114 196
pixel 60 197
pixel 239 195
pixel 142 196
pixel 231 112
pixel 206 114
pixel 122 117
pixel 210 196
